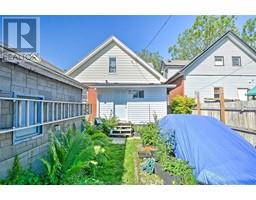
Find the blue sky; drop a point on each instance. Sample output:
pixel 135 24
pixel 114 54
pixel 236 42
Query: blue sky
pixel 65 40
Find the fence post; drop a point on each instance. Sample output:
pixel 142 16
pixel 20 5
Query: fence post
pixel 222 105
pixel 198 105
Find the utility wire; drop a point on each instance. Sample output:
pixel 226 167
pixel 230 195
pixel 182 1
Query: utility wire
pixel 224 76
pixel 158 32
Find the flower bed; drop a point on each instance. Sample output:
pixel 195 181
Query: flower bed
pixel 179 171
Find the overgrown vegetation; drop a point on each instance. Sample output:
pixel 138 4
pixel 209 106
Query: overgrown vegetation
pixel 19 176
pixel 165 154
pixel 108 124
pixel 182 105
pixel 149 134
pixel 75 158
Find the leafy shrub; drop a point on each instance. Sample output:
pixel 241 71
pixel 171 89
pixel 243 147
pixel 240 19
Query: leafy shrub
pixel 182 105
pixel 68 154
pixel 18 176
pixel 149 134
pixel 108 124
pixel 90 129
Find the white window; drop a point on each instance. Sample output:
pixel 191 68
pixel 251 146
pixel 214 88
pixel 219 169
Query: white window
pixel 27 113
pixel 219 60
pixel 236 60
pixel 112 65
pixel 138 94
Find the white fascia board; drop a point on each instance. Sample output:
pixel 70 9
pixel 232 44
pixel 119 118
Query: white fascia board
pixel 135 86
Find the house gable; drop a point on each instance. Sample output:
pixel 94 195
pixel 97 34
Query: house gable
pixel 228 45
pixel 129 67
pixel 226 48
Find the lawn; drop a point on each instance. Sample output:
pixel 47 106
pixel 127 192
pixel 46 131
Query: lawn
pixel 124 166
pixel 113 170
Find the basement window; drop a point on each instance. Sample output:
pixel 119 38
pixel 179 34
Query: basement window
pixel 219 60
pixel 138 94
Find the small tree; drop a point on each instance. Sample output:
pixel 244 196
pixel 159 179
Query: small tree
pixel 182 105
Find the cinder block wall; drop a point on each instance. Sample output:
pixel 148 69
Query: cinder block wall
pixel 14 78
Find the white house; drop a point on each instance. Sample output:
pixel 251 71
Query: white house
pixel 171 67
pixel 121 84
pixel 229 63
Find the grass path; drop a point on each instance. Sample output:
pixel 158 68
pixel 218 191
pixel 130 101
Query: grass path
pixel 130 175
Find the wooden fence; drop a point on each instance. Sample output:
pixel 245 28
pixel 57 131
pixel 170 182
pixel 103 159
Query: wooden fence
pixel 239 115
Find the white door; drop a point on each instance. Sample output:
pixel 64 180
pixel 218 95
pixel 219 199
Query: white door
pixel 120 101
pixel 106 105
pixel 242 93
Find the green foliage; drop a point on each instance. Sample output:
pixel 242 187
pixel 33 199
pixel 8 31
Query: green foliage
pixel 108 124
pixel 182 105
pixel 113 169
pixel 174 166
pixel 149 134
pixel 249 32
pixel 130 175
pixel 151 57
pixel 204 31
pixel 18 176
pixel 90 129
pixel 68 154
pixel 179 168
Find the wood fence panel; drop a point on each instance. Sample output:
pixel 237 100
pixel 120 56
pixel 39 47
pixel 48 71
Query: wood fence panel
pixel 237 114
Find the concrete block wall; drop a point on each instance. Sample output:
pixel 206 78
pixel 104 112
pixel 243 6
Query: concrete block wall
pixel 14 78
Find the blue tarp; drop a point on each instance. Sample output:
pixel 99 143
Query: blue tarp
pixel 218 154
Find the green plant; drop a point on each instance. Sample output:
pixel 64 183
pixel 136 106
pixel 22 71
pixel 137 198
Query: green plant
pixel 179 168
pixel 182 105
pixel 149 134
pixel 108 124
pixel 18 176
pixel 68 154
pixel 90 129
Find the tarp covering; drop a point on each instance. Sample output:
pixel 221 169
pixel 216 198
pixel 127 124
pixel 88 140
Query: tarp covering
pixel 218 154
pixel 252 92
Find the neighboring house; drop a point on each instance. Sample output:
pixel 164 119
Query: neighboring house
pixel 171 67
pixel 229 63
pixel 35 98
pixel 121 84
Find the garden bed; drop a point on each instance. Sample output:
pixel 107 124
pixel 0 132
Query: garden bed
pixel 166 166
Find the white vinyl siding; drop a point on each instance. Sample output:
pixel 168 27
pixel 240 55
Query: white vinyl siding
pixel 230 85
pixel 171 72
pixel 128 69
pixel 140 110
pixel 227 49
pixel 203 75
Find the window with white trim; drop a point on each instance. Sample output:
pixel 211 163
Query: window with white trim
pixel 112 65
pixel 219 60
pixel 27 113
pixel 137 94
pixel 236 61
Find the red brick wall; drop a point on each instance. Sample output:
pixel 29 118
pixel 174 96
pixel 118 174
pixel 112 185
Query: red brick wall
pixel 178 90
pixel 92 99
